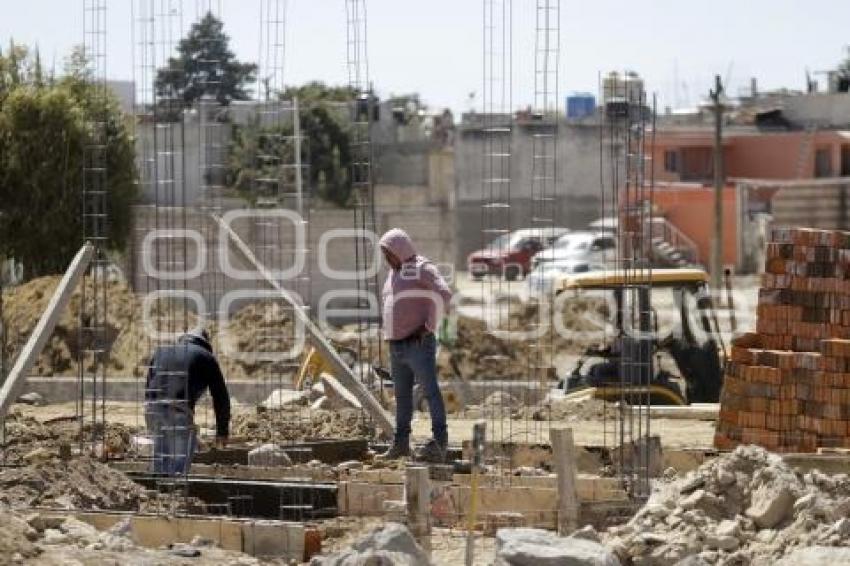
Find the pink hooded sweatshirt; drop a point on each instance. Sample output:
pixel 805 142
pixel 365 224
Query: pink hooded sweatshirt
pixel 414 295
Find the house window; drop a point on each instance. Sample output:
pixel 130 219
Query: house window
pixel 845 160
pixel 671 161
pixel 823 162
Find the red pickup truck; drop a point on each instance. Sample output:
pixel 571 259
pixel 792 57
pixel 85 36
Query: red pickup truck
pixel 510 254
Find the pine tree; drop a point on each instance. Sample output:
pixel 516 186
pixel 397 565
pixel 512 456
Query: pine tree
pixel 205 65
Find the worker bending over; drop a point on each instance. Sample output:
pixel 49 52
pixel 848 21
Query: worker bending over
pixel 415 295
pixel 178 376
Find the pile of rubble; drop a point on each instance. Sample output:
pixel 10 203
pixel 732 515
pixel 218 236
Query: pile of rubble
pixel 36 538
pixel 78 483
pixel 745 507
pixel 28 440
pixel 292 423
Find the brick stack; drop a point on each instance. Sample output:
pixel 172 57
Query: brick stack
pixel 787 386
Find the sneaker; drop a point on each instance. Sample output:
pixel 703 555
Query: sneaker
pixel 396 451
pixel 433 452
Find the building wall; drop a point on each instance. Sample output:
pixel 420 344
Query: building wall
pixel 577 194
pixel 691 209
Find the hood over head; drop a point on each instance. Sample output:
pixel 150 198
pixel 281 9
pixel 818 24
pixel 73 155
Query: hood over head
pixel 399 243
pixel 199 336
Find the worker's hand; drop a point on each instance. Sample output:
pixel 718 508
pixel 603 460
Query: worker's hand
pixel 221 442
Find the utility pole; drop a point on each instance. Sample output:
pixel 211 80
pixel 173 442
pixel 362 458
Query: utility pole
pixel 717 241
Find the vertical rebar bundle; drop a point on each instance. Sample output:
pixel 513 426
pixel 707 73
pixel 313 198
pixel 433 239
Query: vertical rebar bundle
pixel 363 112
pixel 93 346
pixel 497 132
pixel 544 176
pixel 627 131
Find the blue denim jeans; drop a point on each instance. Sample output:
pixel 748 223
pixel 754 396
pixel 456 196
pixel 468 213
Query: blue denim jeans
pixel 174 439
pixel 416 360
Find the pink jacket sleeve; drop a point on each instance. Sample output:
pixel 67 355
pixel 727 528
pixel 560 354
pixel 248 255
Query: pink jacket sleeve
pixel 433 280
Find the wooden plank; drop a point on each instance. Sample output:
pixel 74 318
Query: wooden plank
pixel 342 372
pixel 16 379
pixel 563 451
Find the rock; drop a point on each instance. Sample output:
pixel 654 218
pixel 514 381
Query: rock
pixel 41 522
pixel 816 556
pixel 587 532
pixel 719 542
pixel 392 544
pixel 770 506
pixel 78 531
pixel 804 502
pixel 393 537
pixel 693 560
pixel 184 550
pixel 283 397
pixel 728 528
pixel 32 398
pixel 268 455
pixel 39 455
pixel 349 465
pixel 842 527
pixel 536 547
pixel 691 484
pixel 54 536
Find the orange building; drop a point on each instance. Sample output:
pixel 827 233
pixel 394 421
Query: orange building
pixel 684 174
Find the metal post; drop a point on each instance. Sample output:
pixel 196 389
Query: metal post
pixel 296 126
pixel 717 241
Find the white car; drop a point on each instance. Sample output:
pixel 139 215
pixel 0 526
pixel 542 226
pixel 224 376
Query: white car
pixel 541 280
pixel 589 247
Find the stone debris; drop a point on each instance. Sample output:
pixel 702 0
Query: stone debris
pixel 268 455
pixel 537 547
pixel 42 539
pixel 81 483
pixel 745 507
pixel 391 544
pixel 32 398
pixel 299 423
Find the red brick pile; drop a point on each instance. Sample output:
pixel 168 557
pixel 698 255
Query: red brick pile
pixel 787 386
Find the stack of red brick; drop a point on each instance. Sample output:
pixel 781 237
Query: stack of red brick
pixel 787 386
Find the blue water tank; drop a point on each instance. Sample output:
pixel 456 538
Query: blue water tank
pixel 580 104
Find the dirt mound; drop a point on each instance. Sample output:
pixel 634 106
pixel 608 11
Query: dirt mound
pixel 253 328
pixel 745 507
pixel 290 424
pixel 79 483
pixel 24 435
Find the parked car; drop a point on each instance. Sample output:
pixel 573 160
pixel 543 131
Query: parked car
pixel 593 247
pixel 510 254
pixel 541 280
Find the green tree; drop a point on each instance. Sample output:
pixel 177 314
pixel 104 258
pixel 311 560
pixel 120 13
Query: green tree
pixel 205 65
pixel 325 129
pixel 45 125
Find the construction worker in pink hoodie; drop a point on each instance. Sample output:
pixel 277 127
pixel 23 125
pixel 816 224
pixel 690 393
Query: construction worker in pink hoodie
pixel 414 297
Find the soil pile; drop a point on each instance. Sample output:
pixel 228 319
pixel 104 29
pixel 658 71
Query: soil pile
pixel 745 507
pixel 254 329
pixel 79 483
pixel 293 423
pixel 27 437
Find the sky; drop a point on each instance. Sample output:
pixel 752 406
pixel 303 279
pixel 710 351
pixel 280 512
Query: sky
pixel 434 47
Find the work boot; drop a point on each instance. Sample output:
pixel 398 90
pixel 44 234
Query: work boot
pixel 396 451
pixel 433 452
